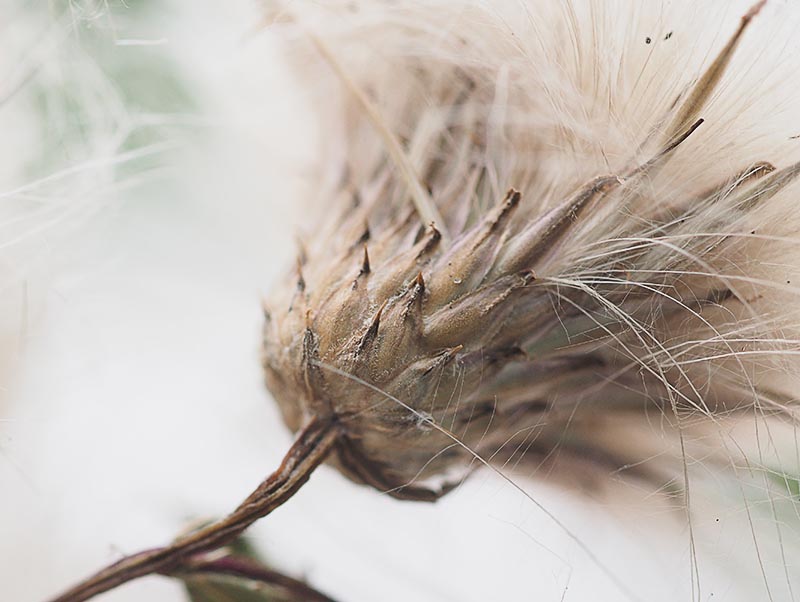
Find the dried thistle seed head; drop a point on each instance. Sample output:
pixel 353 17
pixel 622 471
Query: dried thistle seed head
pixel 620 301
pixel 404 318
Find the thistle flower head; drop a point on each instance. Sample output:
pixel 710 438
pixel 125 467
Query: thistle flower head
pixel 603 277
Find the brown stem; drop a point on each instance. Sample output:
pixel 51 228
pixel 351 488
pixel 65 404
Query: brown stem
pixel 247 569
pixel 309 450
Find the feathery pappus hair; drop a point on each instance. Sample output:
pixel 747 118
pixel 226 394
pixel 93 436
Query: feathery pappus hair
pixel 554 237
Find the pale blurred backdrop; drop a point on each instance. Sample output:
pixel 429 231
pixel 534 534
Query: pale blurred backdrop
pixel 153 161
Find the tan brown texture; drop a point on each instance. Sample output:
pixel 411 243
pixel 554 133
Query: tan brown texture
pixel 558 313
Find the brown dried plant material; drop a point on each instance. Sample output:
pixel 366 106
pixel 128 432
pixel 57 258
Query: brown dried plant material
pixel 442 328
pixel 538 325
pixel 308 451
pixel 237 573
pixel 480 292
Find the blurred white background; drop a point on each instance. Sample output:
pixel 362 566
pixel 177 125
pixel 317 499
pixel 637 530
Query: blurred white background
pixel 132 399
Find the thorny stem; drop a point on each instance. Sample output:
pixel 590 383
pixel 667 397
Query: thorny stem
pixel 247 569
pixel 309 450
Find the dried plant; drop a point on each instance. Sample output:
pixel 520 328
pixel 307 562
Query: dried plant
pixel 543 248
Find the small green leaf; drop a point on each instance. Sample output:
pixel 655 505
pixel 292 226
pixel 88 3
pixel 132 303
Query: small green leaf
pixel 240 575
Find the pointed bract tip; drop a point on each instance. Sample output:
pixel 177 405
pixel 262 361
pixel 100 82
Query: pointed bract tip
pixel 377 319
pixel 365 267
pixel 512 197
pixel 754 10
pixel 682 138
pixel 760 168
pixel 372 331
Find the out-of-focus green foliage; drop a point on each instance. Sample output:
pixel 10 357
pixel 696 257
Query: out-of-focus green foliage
pixel 105 84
